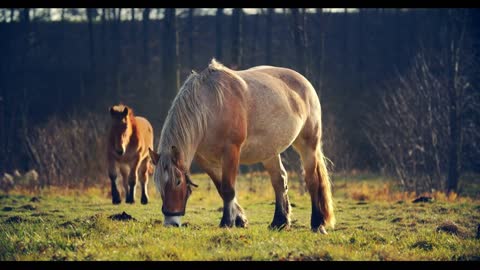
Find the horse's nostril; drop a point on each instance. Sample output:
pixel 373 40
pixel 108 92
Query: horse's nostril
pixel 120 152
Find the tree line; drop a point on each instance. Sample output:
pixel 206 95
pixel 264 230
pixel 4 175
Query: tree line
pixel 379 73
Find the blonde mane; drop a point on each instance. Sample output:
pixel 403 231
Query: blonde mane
pixel 187 117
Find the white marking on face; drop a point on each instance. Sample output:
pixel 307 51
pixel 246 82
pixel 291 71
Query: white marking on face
pixel 172 221
pixel 165 177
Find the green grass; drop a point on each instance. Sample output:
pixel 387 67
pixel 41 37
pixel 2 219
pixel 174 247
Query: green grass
pixel 74 225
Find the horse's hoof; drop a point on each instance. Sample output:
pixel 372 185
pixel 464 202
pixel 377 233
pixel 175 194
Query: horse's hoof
pixel 279 227
pixel 144 201
pixel 226 224
pixel 320 229
pixel 130 201
pixel 241 222
pixel 116 200
pixel 279 223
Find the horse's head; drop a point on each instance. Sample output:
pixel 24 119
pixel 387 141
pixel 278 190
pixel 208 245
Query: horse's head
pixel 173 182
pixel 121 127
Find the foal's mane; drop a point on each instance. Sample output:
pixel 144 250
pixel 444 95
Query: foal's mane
pixel 119 109
pixel 187 117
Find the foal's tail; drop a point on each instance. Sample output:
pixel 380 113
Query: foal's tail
pixel 325 190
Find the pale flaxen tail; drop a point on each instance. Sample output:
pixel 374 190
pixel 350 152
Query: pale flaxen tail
pixel 325 191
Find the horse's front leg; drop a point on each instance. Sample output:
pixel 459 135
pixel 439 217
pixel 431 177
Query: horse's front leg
pixel 112 174
pixel 232 212
pixel 132 181
pixel 143 177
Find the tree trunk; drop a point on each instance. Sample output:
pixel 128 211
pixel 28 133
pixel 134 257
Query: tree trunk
pixel 218 35
pixel 26 15
pixel 145 19
pixel 345 28
pixel 307 53
pixel 103 33
pixel 298 33
pixel 89 12
pixel 253 53
pixel 236 38
pixel 116 49
pixel 170 55
pixel 190 26
pixel 268 37
pixel 361 50
pixel 454 121
pixel 132 25
pixel 321 54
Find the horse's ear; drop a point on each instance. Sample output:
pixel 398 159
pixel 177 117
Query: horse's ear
pixel 176 155
pixel 154 156
pixel 125 112
pixel 111 110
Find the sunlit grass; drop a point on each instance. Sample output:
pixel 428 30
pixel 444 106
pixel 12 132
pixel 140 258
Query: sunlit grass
pixel 375 221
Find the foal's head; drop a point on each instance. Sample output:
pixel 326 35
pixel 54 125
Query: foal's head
pixel 121 129
pixel 174 183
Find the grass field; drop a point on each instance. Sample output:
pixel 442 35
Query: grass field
pixel 374 222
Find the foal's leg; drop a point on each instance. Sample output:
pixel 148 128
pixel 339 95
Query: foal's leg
pixel 214 170
pixel 232 215
pixel 278 177
pixel 132 181
pixel 143 177
pixel 112 173
pixel 124 170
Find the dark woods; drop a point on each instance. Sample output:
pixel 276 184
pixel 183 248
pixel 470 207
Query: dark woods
pixel 399 87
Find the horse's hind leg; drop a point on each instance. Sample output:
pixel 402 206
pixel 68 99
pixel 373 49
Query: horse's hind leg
pixel 143 177
pixel 112 173
pixel 318 183
pixel 278 176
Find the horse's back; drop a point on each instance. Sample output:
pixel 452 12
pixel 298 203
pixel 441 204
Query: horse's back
pixel 278 86
pixel 145 131
pixel 294 81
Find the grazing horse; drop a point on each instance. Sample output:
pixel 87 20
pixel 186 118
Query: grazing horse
pixel 129 139
pixel 222 118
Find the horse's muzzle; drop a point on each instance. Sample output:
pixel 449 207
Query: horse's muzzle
pixel 120 152
pixel 172 221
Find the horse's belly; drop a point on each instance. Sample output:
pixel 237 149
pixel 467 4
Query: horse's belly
pixel 258 148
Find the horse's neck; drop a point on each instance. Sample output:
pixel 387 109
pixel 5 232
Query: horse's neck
pixel 133 125
pixel 188 152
